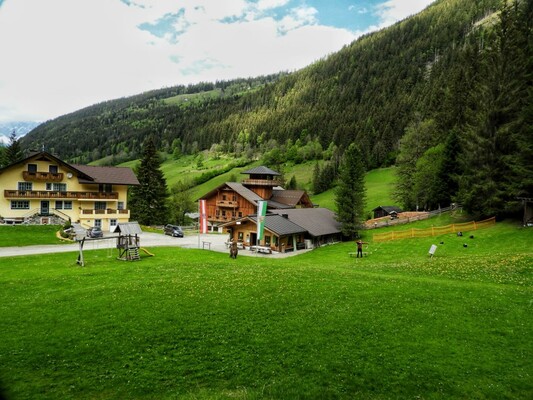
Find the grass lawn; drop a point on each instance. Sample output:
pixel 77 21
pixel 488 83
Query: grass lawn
pixel 27 235
pixel 194 324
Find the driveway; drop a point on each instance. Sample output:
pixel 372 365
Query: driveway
pixel 213 242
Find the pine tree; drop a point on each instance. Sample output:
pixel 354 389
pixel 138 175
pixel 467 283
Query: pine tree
pixel 497 147
pixel 13 151
pixel 148 200
pixel 350 194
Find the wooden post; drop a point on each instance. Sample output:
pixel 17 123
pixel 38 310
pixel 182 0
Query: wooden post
pixel 80 256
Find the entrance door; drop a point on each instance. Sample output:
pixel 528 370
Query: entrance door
pixel 45 207
pixel 253 238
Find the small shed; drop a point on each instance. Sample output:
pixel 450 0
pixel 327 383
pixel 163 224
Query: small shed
pixel 385 211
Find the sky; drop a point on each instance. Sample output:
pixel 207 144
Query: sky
pixel 58 56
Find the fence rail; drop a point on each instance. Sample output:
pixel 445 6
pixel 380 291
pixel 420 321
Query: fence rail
pixel 434 231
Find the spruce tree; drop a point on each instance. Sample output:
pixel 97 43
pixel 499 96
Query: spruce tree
pixel 13 151
pixel 148 200
pixel 350 194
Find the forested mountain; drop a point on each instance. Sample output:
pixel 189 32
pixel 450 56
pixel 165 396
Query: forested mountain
pixel 445 94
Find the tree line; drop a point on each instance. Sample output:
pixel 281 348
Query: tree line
pixel 445 95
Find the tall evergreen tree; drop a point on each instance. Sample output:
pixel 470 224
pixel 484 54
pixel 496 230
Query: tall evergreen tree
pixel 148 200
pixel 350 195
pixel 13 151
pixel 497 144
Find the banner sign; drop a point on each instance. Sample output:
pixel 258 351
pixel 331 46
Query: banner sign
pixel 261 212
pixel 203 216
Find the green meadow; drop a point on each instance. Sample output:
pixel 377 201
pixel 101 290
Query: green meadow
pixel 195 324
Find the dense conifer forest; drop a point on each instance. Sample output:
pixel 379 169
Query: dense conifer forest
pixel 444 95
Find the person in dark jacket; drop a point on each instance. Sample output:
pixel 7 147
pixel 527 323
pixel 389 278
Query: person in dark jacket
pixel 360 244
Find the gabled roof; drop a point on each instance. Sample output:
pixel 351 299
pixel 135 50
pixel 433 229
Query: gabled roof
pixel 85 173
pixel 246 193
pixel 262 170
pixel 279 225
pixel 317 221
pixel 287 197
pixel 388 209
pixel 129 228
pixel 108 175
pixel 43 155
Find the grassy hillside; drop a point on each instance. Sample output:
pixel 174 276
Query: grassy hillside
pixel 194 324
pixel 379 182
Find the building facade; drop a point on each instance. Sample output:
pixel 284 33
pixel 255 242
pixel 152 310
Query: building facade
pixel 231 200
pixel 42 189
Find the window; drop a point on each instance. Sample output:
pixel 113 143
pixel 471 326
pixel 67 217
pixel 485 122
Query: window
pixel 120 205
pixel 100 205
pixel 105 188
pixel 32 168
pixel 52 169
pixel 223 197
pixel 56 187
pixel 63 205
pixel 112 222
pixel 267 240
pixel 25 186
pixel 240 214
pixel 98 223
pixel 240 236
pixel 20 204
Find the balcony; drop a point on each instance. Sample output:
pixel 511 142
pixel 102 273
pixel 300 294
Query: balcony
pixel 107 213
pixel 42 176
pixel 261 182
pixel 50 194
pixel 227 203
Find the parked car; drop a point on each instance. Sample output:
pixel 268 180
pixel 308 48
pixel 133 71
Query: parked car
pixel 95 232
pixel 173 230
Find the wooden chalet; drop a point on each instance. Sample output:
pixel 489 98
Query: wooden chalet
pixel 231 200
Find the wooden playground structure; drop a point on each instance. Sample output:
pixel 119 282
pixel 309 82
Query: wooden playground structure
pixel 128 247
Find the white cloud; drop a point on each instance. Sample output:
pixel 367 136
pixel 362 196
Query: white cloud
pixel 392 11
pixel 62 55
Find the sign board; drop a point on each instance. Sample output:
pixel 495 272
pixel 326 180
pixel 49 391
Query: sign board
pixel 432 250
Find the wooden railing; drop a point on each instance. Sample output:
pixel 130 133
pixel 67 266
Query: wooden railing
pixel 50 194
pixel 227 203
pixel 108 211
pixel 261 182
pixel 42 176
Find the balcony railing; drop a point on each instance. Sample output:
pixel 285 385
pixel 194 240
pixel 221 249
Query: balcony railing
pixel 227 203
pixel 106 212
pixel 50 194
pixel 42 176
pixel 261 182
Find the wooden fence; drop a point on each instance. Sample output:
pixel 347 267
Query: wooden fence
pixel 434 231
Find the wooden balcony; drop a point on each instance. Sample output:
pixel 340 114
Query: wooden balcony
pixel 261 182
pixel 107 213
pixel 220 218
pixel 42 176
pixel 50 194
pixel 227 204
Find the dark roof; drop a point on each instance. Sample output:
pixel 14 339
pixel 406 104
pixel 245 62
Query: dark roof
pixel 129 228
pixel 43 155
pixel 279 225
pixel 317 221
pixel 388 209
pixel 249 195
pixel 109 175
pixel 262 170
pixel 287 197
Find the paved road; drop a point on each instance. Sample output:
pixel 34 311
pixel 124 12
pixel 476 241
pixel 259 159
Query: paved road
pixel 213 242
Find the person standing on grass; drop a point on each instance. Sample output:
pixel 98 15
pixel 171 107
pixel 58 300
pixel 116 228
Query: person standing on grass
pixel 360 244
